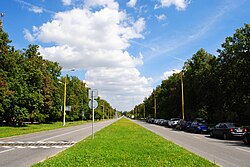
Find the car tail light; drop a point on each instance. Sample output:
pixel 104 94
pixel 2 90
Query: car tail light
pixel 245 129
pixel 231 130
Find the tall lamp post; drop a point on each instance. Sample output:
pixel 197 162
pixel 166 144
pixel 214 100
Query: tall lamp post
pixel 64 99
pixel 182 94
pixel 1 21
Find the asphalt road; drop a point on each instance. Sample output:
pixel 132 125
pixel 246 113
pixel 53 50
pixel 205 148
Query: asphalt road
pixel 25 150
pixel 226 153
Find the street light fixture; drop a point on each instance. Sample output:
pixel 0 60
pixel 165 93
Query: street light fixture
pixel 182 93
pixel 64 99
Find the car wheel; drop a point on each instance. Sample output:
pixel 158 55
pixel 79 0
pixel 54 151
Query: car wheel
pixel 225 136
pixel 245 140
pixel 211 134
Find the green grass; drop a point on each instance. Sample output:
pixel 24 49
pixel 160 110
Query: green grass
pixel 125 143
pixel 8 131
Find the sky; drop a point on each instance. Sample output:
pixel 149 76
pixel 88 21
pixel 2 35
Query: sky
pixel 122 48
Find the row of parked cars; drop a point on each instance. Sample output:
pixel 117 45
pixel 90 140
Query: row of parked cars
pixel 224 130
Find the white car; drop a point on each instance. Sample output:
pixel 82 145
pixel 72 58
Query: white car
pixel 173 122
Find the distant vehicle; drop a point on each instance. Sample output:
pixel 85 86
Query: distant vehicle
pixel 197 127
pixel 173 122
pixel 183 124
pixel 150 120
pixel 227 130
pixel 246 138
pixel 165 122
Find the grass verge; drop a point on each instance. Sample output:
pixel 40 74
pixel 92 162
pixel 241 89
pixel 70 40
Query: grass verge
pixel 8 131
pixel 125 143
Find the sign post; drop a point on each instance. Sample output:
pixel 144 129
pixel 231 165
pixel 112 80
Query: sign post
pixel 93 94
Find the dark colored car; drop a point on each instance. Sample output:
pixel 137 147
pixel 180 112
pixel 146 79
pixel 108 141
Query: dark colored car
pixel 246 138
pixel 227 130
pixel 183 124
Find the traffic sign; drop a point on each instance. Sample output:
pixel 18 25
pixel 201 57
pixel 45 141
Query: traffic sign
pixel 95 104
pixel 93 93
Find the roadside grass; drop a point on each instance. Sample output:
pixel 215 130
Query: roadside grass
pixel 8 131
pixel 125 143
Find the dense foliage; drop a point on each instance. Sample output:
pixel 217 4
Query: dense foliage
pixel 215 88
pixel 31 89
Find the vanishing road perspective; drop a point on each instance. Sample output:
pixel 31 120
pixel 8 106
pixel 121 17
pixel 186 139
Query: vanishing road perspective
pixel 159 82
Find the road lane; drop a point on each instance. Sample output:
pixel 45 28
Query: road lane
pixel 226 153
pixel 25 150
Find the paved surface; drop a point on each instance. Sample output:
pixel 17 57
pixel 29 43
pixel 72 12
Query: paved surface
pixel 25 150
pixel 226 153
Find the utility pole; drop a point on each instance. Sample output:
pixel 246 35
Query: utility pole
pixel 103 110
pixel 155 107
pixel 182 97
pixel 1 20
pixel 144 110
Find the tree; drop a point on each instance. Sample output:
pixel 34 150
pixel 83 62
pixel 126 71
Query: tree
pixel 234 61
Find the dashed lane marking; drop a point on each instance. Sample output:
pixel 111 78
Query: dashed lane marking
pixel 242 149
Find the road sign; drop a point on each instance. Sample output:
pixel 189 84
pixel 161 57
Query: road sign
pixel 95 104
pixel 93 93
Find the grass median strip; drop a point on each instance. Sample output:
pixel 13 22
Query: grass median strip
pixel 125 143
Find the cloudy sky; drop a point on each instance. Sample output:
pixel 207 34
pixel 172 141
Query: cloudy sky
pixel 123 48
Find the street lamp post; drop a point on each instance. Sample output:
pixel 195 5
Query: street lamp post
pixel 182 94
pixel 144 108
pixel 64 98
pixel 103 110
pixel 64 101
pixel 154 105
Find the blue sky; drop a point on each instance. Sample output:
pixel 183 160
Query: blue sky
pixel 123 48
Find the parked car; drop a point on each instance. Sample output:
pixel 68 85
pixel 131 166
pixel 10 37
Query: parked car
pixel 150 120
pixel 246 138
pixel 182 124
pixel 198 126
pixel 173 122
pixel 227 130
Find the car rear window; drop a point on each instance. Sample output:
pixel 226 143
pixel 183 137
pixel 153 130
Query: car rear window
pixel 231 125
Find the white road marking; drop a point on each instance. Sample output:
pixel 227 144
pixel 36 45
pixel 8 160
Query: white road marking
pixel 63 134
pixel 7 147
pixel 32 147
pixel 19 146
pixel 242 149
pixel 6 150
pixel 197 137
pixel 44 147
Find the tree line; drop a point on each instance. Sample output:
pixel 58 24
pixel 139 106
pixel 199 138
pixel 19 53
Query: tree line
pixel 31 89
pixel 216 88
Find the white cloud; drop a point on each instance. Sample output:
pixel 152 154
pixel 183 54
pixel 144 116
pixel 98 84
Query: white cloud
pixel 167 74
pixel 179 4
pixel 160 17
pixel 36 9
pixel 66 2
pixel 131 3
pixel 111 4
pixel 28 36
pixel 96 39
pixel 121 84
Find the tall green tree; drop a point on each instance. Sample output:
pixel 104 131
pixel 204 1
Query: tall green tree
pixel 234 61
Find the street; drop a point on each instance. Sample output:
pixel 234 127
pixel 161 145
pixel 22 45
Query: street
pixel 25 150
pixel 226 153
